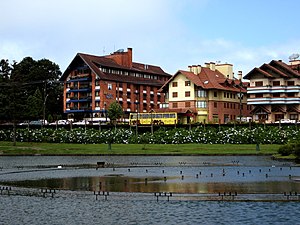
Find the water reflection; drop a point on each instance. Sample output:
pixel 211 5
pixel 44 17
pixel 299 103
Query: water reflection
pixel 157 184
pixel 253 174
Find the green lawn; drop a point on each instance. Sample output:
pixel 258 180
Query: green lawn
pixel 134 149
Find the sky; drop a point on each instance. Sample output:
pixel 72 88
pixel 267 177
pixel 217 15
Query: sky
pixel 172 34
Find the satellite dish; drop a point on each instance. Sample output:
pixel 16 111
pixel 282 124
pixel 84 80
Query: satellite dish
pixel 294 56
pixel 120 50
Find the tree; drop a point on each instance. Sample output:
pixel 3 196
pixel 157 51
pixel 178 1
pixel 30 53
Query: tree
pixel 34 105
pixel 5 71
pixel 19 82
pixel 114 112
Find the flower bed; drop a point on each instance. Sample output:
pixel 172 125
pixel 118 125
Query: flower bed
pixel 208 135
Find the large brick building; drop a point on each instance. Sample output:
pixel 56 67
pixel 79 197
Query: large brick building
pixel 92 83
pixel 207 94
pixel 274 91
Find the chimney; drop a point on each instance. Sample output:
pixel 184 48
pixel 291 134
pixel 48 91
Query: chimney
pixel 198 69
pixel 212 66
pixel 129 55
pixel 122 58
pixel 240 75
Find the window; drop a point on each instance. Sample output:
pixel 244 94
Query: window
pixel 276 95
pixel 175 94
pixel 259 84
pixel 291 94
pixel 215 94
pixel 276 83
pixel 294 117
pixel 291 83
pixel 187 104
pixel 97 82
pixel 97 93
pixel 109 86
pixel 187 83
pixel 225 105
pixel 187 94
pixel 97 104
pixel 174 84
pixel 215 104
pixel 175 105
pixel 201 104
pixel 201 93
pixel 224 94
pixel 259 95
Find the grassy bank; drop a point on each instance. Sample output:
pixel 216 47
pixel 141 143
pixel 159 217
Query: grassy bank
pixel 25 148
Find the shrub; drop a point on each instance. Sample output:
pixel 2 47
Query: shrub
pixel 286 150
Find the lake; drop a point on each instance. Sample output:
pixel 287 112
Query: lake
pixel 148 190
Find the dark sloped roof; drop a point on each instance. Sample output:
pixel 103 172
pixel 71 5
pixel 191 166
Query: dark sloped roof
pixel 94 62
pixel 208 79
pixel 274 67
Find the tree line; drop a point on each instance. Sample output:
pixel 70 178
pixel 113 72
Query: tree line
pixel 30 90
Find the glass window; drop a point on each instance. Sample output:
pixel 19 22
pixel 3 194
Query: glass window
pixel 109 86
pixel 187 94
pixel 291 83
pixel 187 83
pixel 174 84
pixel 201 104
pixel 258 84
pixel 175 105
pixel 175 94
pixel 187 104
pixel 276 83
pixel 201 93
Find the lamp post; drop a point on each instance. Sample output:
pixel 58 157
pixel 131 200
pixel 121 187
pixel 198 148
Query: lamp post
pixel 151 120
pixel 105 112
pixel 240 96
pixel 44 109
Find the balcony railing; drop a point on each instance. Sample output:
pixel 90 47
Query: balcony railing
pixel 270 100
pixel 273 89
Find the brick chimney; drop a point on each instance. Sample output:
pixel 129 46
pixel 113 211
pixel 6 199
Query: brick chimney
pixel 122 58
pixel 196 69
pixel 240 75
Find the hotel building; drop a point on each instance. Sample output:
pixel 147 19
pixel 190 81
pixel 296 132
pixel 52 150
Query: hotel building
pixel 274 91
pixel 208 94
pixel 92 83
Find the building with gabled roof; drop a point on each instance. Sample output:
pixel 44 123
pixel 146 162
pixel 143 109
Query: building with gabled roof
pixel 92 83
pixel 274 91
pixel 207 94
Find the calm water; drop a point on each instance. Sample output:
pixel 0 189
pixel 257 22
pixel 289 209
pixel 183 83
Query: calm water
pixel 132 182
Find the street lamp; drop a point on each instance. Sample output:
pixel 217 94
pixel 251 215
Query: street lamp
pixel 105 112
pixel 44 109
pixel 151 120
pixel 240 96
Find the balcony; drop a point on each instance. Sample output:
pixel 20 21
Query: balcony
pixel 79 89
pixel 271 101
pixel 273 89
pixel 83 77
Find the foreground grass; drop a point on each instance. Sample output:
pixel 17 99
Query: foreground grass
pixel 24 148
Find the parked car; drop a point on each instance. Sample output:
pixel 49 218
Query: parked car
pixel 286 121
pixel 60 122
pixel 38 122
pixel 81 122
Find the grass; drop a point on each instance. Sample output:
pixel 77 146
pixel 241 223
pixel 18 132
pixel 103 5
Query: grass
pixel 25 148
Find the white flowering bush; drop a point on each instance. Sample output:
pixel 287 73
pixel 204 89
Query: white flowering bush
pixel 201 135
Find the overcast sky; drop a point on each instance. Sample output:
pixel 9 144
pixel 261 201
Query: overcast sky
pixel 172 34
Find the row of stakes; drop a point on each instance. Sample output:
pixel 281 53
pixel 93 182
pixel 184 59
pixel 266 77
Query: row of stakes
pixel 223 173
pixel 159 195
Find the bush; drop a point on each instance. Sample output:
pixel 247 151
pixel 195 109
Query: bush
pixel 286 150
